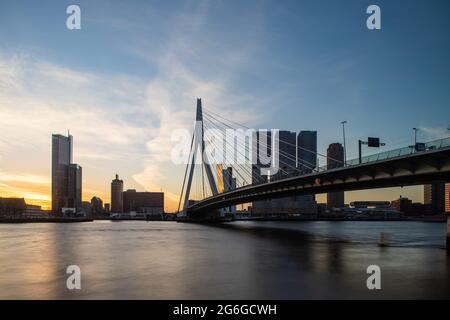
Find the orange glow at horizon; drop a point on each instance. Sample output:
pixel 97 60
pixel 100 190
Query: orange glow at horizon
pixel 39 194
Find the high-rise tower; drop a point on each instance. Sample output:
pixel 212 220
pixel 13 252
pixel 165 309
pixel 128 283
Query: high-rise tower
pixel 434 195
pixel 335 159
pixel 117 195
pixel 66 176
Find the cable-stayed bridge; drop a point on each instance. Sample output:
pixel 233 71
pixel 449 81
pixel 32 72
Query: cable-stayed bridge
pixel 262 168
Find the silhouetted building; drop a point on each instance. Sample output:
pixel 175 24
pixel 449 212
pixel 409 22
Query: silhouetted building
pixel 335 159
pixel 117 195
pixel 434 195
pixel 370 204
pixel 287 154
pixel 107 208
pixel 61 158
pixel 291 162
pixel 402 204
pixel 286 164
pixel 262 144
pixel 34 211
pixel 306 163
pixel 229 183
pixel 66 176
pixel 407 207
pixel 74 186
pixel 12 207
pixel 87 207
pixel 143 202
pixel 97 206
pixel 307 151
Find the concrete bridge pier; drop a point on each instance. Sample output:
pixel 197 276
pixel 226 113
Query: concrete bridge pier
pixel 448 234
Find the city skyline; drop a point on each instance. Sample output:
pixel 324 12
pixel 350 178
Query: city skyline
pixel 123 108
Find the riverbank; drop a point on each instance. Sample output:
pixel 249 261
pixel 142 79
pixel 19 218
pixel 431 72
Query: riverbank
pixel 431 218
pixel 45 220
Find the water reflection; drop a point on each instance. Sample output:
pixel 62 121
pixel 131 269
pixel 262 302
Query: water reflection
pixel 245 260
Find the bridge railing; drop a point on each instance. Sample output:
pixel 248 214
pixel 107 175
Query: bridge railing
pixel 429 146
pixel 432 145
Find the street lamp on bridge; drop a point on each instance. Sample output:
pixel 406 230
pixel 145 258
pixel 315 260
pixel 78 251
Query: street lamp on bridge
pixel 345 148
pixel 415 135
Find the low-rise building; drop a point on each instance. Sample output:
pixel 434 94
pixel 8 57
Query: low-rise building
pixel 12 207
pixel 150 203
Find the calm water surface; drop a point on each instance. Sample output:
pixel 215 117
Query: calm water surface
pixel 239 260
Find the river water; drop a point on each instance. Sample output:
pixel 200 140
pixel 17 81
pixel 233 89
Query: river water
pixel 239 260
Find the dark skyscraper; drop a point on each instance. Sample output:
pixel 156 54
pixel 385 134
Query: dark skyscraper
pixel 286 154
pixel 335 159
pixel 288 166
pixel 287 157
pixel 66 176
pixel 286 163
pixel 307 151
pixel 74 186
pixel 265 137
pixel 117 195
pixel 306 163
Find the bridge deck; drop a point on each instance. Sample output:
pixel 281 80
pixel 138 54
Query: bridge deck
pixel 400 167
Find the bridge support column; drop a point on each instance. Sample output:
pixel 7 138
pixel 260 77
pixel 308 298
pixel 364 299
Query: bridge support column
pixel 448 234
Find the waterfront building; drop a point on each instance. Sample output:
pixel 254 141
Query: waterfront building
pixel 335 159
pixel 87 208
pixel 34 211
pixel 74 183
pixel 447 197
pixel 12 207
pixel 151 203
pixel 229 183
pixel 434 195
pixel 117 195
pixel 286 161
pixel 306 163
pixel 307 151
pixel 407 207
pixel 261 140
pixel 66 176
pixel 97 206
pixel 294 159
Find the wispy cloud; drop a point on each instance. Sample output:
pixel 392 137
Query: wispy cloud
pixel 121 121
pixel 29 178
pixel 176 85
pixel 435 132
pixel 40 98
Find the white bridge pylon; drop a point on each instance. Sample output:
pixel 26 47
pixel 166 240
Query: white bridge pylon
pixel 197 149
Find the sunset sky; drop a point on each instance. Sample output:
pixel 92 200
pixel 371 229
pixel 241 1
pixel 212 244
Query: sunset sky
pixel 130 77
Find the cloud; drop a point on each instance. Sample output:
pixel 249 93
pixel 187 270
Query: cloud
pixel 120 121
pixel 176 86
pixel 434 133
pixel 29 178
pixel 38 98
